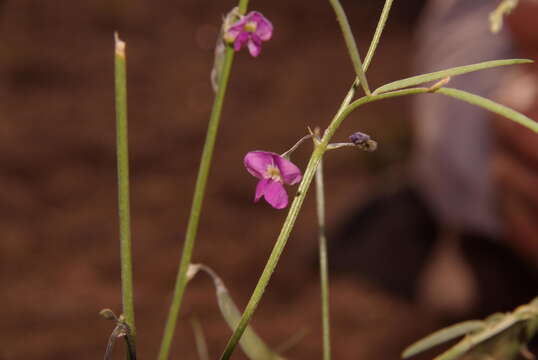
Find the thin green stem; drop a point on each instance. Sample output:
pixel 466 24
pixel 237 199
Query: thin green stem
pixel 323 263
pixel 351 44
pixel 344 110
pixel 243 4
pixel 377 35
pixel 275 253
pixel 296 205
pixel 284 233
pixel 196 208
pixel 122 150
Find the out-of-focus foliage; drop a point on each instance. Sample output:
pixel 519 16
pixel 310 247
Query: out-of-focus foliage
pixel 499 336
pixel 253 346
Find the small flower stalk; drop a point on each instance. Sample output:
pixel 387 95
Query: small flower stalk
pixel 274 171
pixel 358 140
pixel 251 30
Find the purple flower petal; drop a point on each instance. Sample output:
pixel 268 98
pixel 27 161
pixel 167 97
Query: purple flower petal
pixel 254 45
pixel 234 31
pixel 290 173
pixel 264 28
pixel 273 171
pixel 239 24
pixel 257 162
pixel 240 40
pixel 276 195
pixel 260 188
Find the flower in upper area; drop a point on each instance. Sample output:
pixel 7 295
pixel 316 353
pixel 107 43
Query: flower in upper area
pixel 251 29
pixel 273 171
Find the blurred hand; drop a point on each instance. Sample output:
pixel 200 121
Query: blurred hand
pixel 515 165
pixel 515 160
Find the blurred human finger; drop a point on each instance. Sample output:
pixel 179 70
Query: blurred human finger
pixel 521 226
pixel 517 177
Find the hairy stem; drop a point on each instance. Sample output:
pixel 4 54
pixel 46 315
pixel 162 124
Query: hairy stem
pixel 323 263
pixel 315 158
pixel 284 233
pixel 377 35
pixel 351 44
pixel 196 208
pixel 122 151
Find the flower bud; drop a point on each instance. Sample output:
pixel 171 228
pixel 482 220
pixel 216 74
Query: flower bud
pixel 359 138
pixel 108 314
pixel 363 141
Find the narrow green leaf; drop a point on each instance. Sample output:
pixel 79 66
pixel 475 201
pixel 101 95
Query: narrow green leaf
pixel 499 336
pixel 253 346
pixel 442 336
pixel 500 340
pixel 199 339
pixel 421 79
pixel 292 341
pixel 491 106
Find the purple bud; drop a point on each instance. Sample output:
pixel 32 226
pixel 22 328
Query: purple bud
pixel 359 138
pixel 363 141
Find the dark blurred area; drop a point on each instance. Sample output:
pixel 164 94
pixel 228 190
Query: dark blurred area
pixel 60 251
pixel 459 234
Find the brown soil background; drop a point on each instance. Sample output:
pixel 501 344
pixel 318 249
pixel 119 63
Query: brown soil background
pixel 59 251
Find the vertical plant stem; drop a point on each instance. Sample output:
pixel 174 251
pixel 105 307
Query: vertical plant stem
pixel 297 203
pixel 345 109
pixel 123 186
pixel 323 263
pixel 377 35
pixel 351 44
pixel 286 229
pixel 196 208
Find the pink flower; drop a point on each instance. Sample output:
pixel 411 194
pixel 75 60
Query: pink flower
pixel 273 171
pixel 252 29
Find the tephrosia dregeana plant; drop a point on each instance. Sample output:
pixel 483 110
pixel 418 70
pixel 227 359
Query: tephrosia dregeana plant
pixel 240 30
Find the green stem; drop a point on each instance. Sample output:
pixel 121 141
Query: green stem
pixel 196 208
pixel 345 108
pixel 323 263
pixel 296 205
pixel 284 233
pixel 377 35
pixel 122 150
pixel 351 44
pixel 320 201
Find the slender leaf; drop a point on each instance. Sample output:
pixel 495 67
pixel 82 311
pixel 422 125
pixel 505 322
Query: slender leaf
pixel 199 339
pixel 253 346
pixel 421 79
pixel 498 340
pixel 499 336
pixel 442 336
pixel 491 106
pixel 292 341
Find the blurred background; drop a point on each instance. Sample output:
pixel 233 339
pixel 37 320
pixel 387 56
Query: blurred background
pixel 59 250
